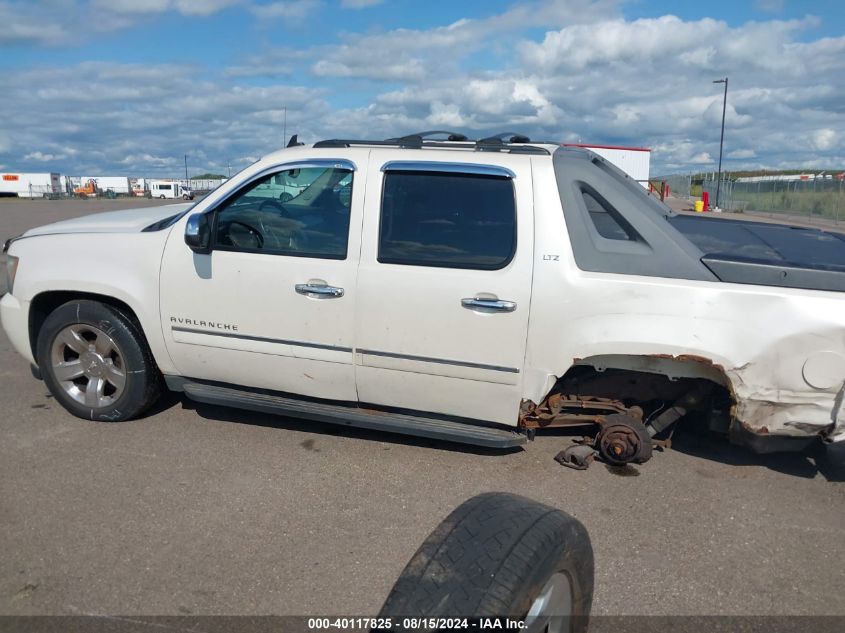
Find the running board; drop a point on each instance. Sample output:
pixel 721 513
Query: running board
pixel 436 429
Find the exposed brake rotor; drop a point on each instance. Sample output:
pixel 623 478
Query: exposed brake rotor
pixel 623 440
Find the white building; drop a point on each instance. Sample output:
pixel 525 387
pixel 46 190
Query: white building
pixel 634 161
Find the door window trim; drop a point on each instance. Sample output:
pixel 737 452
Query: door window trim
pixel 449 168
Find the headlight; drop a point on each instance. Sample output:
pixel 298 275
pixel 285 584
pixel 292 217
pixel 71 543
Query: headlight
pixel 11 271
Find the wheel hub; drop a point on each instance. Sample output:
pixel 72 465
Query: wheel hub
pixel 93 365
pixel 623 440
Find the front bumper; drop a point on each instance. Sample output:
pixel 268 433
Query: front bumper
pixel 14 316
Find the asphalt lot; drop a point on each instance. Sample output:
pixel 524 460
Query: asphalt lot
pixel 205 510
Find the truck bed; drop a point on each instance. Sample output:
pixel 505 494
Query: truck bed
pixel 739 251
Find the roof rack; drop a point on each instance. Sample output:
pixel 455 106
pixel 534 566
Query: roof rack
pixel 509 142
pixel 419 137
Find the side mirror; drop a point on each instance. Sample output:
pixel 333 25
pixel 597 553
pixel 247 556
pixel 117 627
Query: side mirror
pixel 198 233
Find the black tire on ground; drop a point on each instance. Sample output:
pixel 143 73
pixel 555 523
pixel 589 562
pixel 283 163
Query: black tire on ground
pixel 285 197
pixel 142 378
pixel 491 557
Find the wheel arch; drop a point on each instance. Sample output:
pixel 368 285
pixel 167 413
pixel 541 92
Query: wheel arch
pixel 672 367
pixel 635 381
pixel 46 302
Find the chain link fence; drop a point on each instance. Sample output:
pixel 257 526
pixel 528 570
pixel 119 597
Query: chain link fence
pixel 818 198
pixel 680 185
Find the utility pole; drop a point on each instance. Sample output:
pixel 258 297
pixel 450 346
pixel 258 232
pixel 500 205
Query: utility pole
pixel 722 137
pixel 229 167
pixel 285 128
pixel 186 170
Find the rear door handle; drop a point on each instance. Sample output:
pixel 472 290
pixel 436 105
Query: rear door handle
pixel 319 290
pixel 488 305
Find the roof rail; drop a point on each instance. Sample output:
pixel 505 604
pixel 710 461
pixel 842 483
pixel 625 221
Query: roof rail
pixel 514 137
pixel 513 144
pixel 450 136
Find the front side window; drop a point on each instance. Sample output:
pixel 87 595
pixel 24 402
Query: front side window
pixel 450 220
pixel 300 212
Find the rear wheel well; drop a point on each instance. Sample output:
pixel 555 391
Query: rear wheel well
pixel 652 382
pixel 43 304
pixel 642 386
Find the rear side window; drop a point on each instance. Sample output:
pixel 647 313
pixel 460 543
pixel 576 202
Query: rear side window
pixel 450 220
pixel 607 220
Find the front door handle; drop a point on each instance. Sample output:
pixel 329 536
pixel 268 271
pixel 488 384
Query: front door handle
pixel 319 290
pixel 488 305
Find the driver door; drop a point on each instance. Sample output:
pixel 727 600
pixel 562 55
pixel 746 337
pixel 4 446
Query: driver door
pixel 272 305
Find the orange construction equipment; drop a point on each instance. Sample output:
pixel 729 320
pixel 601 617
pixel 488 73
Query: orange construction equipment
pixel 88 189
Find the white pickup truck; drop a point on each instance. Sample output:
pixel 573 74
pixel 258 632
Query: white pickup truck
pixel 474 291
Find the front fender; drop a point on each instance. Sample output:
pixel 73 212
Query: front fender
pixel 120 266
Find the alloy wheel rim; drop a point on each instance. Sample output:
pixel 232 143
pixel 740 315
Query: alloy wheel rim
pixel 88 365
pixel 551 610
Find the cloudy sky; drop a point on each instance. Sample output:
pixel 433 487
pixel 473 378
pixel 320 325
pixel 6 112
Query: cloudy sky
pixel 131 86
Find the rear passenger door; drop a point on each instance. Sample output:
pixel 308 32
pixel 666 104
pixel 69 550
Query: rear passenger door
pixel 444 285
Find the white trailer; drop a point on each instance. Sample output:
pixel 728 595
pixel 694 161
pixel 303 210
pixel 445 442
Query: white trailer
pixel 138 186
pixel 634 161
pixel 30 185
pixel 118 184
pixel 168 189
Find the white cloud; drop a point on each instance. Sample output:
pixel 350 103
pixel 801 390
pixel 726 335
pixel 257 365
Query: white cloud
pixel 742 153
pixel 292 11
pixel 107 125
pixel 23 22
pixel 590 75
pixel 359 4
pixel 702 158
pixel 43 158
pixel 824 139
pixel 56 23
pixel 426 53
pixel 185 7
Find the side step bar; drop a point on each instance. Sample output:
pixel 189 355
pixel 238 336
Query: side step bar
pixel 436 429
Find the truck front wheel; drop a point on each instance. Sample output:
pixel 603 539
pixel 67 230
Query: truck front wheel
pixel 96 363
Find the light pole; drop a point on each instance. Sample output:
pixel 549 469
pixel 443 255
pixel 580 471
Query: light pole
pixel 722 137
pixel 186 170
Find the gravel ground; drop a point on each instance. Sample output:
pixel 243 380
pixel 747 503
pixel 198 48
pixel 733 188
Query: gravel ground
pixel 206 510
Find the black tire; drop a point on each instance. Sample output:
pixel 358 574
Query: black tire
pixel 143 380
pixel 285 197
pixel 491 557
